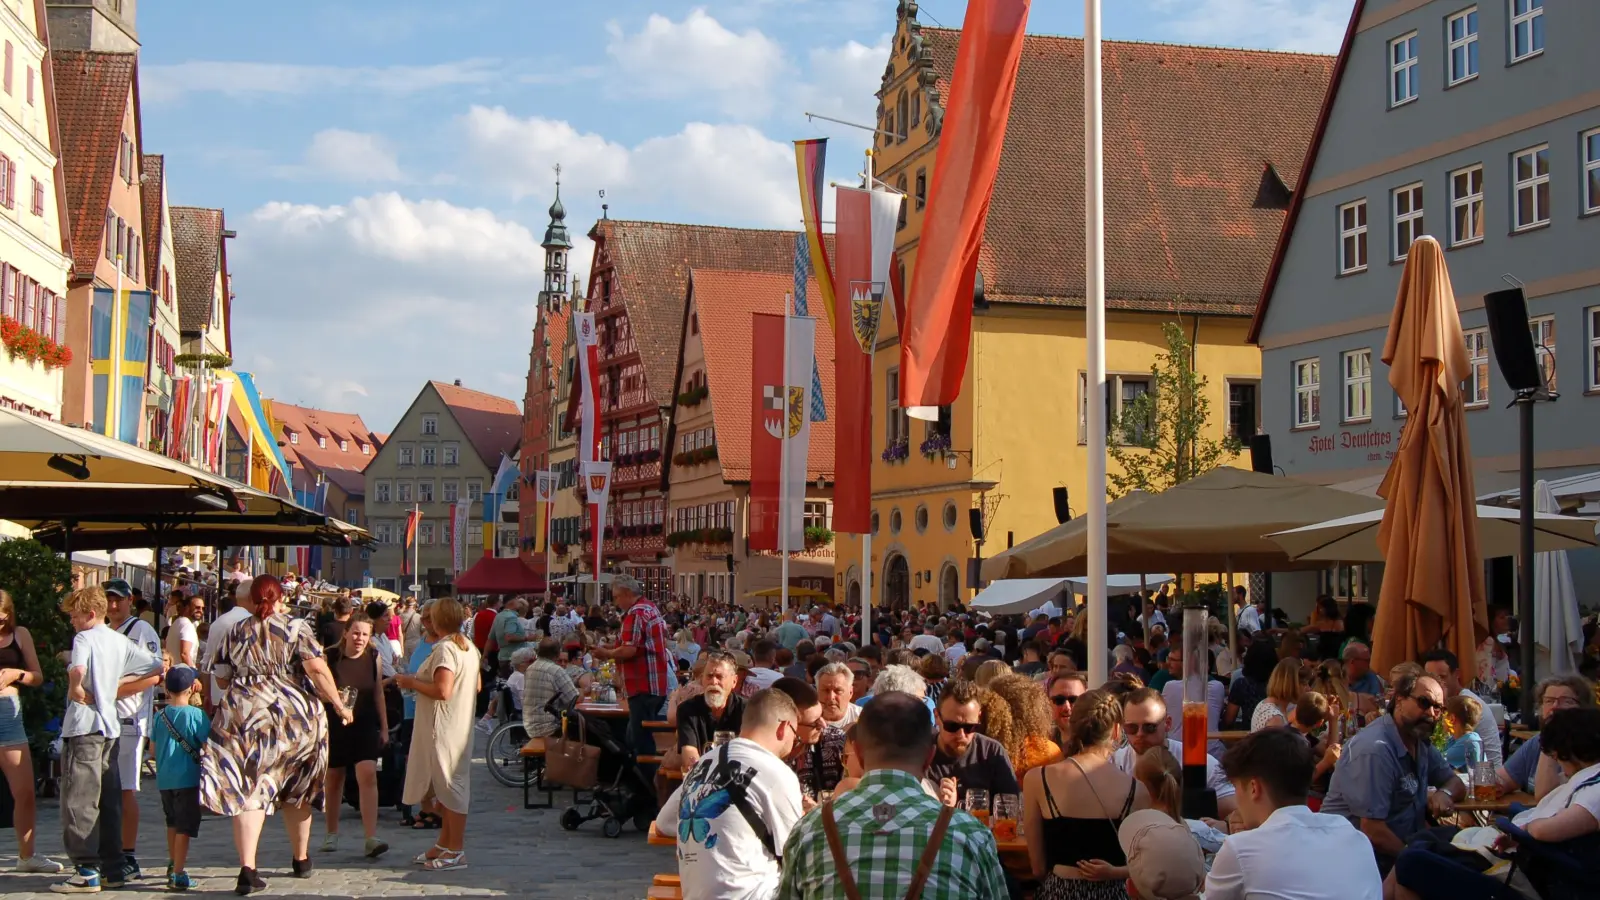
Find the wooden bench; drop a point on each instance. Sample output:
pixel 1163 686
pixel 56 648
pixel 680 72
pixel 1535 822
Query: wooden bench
pixel 672 774
pixel 533 775
pixel 656 839
pixel 666 880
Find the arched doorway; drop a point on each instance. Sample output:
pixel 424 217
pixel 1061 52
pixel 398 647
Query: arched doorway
pixel 853 597
pixel 949 587
pixel 897 583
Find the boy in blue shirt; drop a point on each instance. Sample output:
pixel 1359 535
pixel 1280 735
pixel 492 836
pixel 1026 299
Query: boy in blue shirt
pixel 180 732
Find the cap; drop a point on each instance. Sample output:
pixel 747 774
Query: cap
pixel 1164 860
pixel 116 587
pixel 180 678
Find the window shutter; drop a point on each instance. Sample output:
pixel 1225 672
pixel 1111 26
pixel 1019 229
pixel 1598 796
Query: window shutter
pixel 6 306
pixel 30 85
pixel 61 320
pixel 11 185
pixel 8 66
pixel 110 230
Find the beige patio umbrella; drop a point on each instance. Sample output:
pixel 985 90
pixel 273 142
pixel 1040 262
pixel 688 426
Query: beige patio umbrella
pixel 1433 576
pixel 1354 539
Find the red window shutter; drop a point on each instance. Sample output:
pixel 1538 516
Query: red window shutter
pixel 6 306
pixel 61 320
pixel 38 197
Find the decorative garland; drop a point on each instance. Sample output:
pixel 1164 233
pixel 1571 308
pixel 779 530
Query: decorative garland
pixel 20 340
pixel 211 360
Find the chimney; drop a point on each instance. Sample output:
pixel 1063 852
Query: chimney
pixel 458 382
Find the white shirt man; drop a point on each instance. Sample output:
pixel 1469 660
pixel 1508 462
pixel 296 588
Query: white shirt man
pixel 1250 620
pixel 928 642
pixel 954 653
pixel 133 711
pixel 223 624
pixel 1125 757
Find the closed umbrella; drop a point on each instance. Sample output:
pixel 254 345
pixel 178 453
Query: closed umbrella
pixel 1557 627
pixel 1433 576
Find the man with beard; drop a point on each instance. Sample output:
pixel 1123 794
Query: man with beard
pixel 1382 781
pixel 818 758
pixel 716 709
pixel 1146 724
pixel 963 759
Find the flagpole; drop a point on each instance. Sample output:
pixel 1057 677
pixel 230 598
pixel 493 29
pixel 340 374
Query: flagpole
pixel 1095 296
pixel 783 467
pixel 866 538
pixel 416 553
pixel 547 506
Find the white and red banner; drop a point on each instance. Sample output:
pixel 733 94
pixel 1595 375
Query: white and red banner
pixel 588 387
pixel 462 511
pixel 863 248
pixel 782 351
pixel 597 482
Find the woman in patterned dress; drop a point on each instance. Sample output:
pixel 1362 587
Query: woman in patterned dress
pixel 269 739
pixel 440 764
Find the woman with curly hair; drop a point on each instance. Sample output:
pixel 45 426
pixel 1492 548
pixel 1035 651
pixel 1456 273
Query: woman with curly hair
pixel 1028 743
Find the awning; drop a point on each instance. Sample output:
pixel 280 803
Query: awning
pixel 1018 595
pixel 500 575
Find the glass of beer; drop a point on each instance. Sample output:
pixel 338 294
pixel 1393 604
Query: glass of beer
pixel 978 804
pixel 1485 782
pixel 1006 815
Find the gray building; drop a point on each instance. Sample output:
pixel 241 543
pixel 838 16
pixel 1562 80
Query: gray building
pixel 1478 124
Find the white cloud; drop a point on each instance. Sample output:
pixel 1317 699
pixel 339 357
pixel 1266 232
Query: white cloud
pixel 352 156
pixel 1309 26
pixel 696 58
pixel 354 306
pixel 726 174
pixel 159 83
pixel 844 81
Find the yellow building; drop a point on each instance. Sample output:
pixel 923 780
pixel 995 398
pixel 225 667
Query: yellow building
pixel 1203 147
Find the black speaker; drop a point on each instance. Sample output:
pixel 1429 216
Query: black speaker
pixel 1261 453
pixel 975 523
pixel 1063 509
pixel 1513 344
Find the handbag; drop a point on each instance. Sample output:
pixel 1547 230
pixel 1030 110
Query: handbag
pixel 572 763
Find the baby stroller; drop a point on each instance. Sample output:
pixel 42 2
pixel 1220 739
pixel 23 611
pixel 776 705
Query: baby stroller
pixel 622 792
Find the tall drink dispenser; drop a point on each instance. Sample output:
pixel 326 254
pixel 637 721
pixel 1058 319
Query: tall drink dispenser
pixel 1198 799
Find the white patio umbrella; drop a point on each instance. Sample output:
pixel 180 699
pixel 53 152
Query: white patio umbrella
pixel 1558 629
pixel 1354 539
pixel 1017 595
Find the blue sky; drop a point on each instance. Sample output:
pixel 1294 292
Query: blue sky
pixel 388 165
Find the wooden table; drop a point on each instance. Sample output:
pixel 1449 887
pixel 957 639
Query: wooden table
pixel 1522 733
pixel 1229 736
pixel 657 839
pixel 604 710
pixel 1484 811
pixel 1014 856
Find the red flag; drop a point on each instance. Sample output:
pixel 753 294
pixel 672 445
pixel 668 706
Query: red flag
pixel 863 249
pixel 412 518
pixel 935 341
pixel 767 405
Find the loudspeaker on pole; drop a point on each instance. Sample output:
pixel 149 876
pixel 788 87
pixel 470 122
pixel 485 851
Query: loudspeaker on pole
pixel 1261 454
pixel 975 523
pixel 1512 342
pixel 1063 509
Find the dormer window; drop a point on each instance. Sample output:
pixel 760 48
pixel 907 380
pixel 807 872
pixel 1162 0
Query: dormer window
pixel 294 437
pixel 344 446
pixel 322 442
pixel 366 450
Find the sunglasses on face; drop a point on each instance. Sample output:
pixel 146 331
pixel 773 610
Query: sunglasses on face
pixel 955 727
pixel 1427 704
pixel 1141 728
pixel 1062 699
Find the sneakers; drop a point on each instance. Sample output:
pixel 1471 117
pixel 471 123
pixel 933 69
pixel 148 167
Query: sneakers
pixel 249 883
pixel 86 880
pixel 330 843
pixel 375 848
pixel 485 726
pixel 38 865
pixel 179 881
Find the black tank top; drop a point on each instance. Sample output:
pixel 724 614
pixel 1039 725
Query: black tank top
pixel 11 655
pixel 1069 840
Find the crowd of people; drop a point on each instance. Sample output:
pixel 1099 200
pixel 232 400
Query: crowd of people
pixel 965 755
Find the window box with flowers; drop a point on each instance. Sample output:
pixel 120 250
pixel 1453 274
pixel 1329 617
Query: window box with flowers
pixel 22 341
pixel 936 444
pixel 694 396
pixel 899 451
pixel 700 536
pixel 557 548
pixel 818 537
pixel 695 457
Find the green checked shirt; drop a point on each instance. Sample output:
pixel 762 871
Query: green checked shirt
pixel 884 825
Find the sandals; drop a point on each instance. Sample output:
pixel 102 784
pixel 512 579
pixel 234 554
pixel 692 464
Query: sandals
pixel 423 859
pixel 426 821
pixel 450 859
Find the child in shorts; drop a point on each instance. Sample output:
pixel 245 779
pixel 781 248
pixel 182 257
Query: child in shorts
pixel 180 732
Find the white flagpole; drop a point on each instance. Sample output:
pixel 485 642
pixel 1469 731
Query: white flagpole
pixel 547 506
pixel 783 467
pixel 866 539
pixel 416 557
pixel 1095 295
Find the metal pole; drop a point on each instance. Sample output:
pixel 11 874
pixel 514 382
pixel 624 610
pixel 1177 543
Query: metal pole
pixel 783 470
pixel 114 389
pixel 1525 604
pixel 416 555
pixel 866 539
pixel 1095 302
pixel 1233 618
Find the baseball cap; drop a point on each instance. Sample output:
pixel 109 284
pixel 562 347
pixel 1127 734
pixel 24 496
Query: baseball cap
pixel 116 587
pixel 1164 860
pixel 180 678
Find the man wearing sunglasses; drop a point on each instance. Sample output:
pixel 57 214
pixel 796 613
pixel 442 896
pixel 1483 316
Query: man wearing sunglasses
pixel 1146 724
pixel 963 759
pixel 1383 778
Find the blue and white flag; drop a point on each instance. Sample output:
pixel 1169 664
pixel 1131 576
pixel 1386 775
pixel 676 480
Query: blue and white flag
pixel 802 272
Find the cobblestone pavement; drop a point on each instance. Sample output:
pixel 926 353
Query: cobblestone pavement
pixel 510 852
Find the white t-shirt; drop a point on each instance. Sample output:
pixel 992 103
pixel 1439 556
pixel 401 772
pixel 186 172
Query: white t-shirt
pixel 954 653
pixel 1216 780
pixel 1296 853
pixel 764 678
pixel 1578 791
pixel 1250 620
pixel 140 706
pixel 388 655
pixel 928 642
pixel 515 684
pixel 208 655
pixel 720 857
pixel 182 631
pixel 852 712
pixel 106 658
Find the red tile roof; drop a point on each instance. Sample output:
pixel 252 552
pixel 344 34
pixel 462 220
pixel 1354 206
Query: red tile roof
pixel 150 197
pixel 555 331
pixel 353 483
pixel 652 262
pixel 724 302
pixel 493 424
pixel 1192 134
pixel 197 244
pixel 91 98
pixel 1270 283
pixel 309 425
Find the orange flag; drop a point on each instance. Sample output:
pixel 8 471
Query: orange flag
pixel 936 336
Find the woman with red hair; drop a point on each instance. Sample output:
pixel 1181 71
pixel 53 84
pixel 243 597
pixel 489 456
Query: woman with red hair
pixel 269 740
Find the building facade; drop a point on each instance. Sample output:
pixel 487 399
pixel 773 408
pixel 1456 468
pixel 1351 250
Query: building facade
pixel 1457 121
pixel 33 224
pixel 165 337
pixel 709 476
pixel 445 450
pixel 327 453
pixel 205 318
pixel 1196 213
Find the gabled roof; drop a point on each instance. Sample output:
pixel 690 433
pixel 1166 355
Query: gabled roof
pixel 353 483
pixel 1194 136
pixel 724 302
pixel 555 331
pixel 91 90
pixel 310 424
pixel 652 262
pixel 197 244
pixel 492 424
pixel 150 193
pixel 1286 233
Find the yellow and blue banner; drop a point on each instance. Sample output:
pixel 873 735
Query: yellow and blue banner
pixel 811 157
pixel 119 353
pixel 261 438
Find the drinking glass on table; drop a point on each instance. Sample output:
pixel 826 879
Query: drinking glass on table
pixel 978 804
pixel 1006 814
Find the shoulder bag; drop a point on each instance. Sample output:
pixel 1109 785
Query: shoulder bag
pixel 847 878
pixel 572 763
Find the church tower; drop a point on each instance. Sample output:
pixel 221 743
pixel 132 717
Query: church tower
pixel 557 244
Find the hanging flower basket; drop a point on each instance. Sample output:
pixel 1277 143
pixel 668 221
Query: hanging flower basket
pixel 898 451
pixel 935 445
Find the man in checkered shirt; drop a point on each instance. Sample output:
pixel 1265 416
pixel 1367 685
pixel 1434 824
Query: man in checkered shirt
pixel 885 824
pixel 644 658
pixel 544 682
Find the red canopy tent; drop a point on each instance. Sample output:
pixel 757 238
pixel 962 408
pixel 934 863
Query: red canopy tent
pixel 500 575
